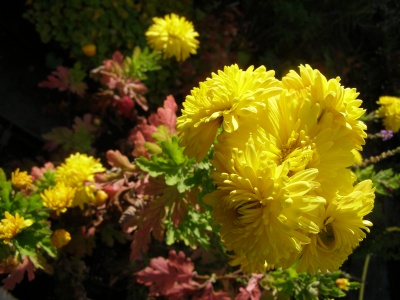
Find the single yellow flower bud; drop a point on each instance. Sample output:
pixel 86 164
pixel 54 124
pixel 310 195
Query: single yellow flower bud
pixel 60 238
pixel 342 283
pixel 89 50
pixel 100 198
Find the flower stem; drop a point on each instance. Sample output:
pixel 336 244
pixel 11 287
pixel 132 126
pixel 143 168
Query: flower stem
pixel 364 276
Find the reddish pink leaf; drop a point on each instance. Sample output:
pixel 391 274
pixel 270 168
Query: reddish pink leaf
pixel 168 276
pixel 209 294
pixel 17 275
pixel 125 106
pixel 252 290
pixel 58 79
pixel 151 222
pixel 118 57
pixel 118 160
pixel 165 115
pixel 37 173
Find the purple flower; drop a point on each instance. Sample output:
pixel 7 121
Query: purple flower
pixel 386 135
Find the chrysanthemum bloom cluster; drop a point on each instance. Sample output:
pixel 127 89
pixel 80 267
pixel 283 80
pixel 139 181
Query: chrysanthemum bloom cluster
pixel 284 191
pixel 174 36
pixel 59 198
pixel 389 110
pixel 11 225
pixel 60 238
pixel 76 173
pixel 21 180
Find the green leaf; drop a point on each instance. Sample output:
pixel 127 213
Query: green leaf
pixel 194 230
pixel 174 151
pixel 162 134
pixel 109 235
pixel 5 193
pixel 384 181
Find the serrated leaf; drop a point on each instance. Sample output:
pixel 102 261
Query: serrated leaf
pixel 40 262
pixel 109 235
pixel 174 151
pixel 162 134
pixel 165 276
pixel 59 136
pixel 17 275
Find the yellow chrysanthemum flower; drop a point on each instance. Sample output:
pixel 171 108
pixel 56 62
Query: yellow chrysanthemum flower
pixel 59 198
pixel 342 229
pixel 60 238
pixel 21 180
pixel 389 110
pixel 12 225
pixel 78 172
pixel 333 98
pixel 174 36
pixel 288 130
pixel 226 98
pixel 262 208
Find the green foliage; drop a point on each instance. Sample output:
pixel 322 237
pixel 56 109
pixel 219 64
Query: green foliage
pixel 141 62
pixel 46 181
pixel 193 231
pixel 78 139
pixel 107 24
pixel 171 163
pixel 34 240
pixel 109 235
pixel 385 181
pixel 303 286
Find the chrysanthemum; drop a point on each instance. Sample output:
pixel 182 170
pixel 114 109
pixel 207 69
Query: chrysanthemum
pixel 226 98
pixel 333 98
pixel 21 180
pixel 262 208
pixel 59 198
pixel 389 110
pixel 289 130
pixel 78 172
pixel 174 36
pixel 342 229
pixel 60 238
pixel 12 225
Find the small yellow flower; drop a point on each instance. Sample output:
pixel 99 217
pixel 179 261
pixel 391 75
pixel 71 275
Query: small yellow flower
pixel 390 112
pixel 89 50
pixel 60 238
pixel 21 180
pixel 342 283
pixel 173 35
pixel 78 172
pixel 58 198
pixel 12 225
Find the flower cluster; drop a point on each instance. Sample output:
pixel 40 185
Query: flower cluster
pixel 389 110
pixel 284 191
pixel 74 184
pixel 174 36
